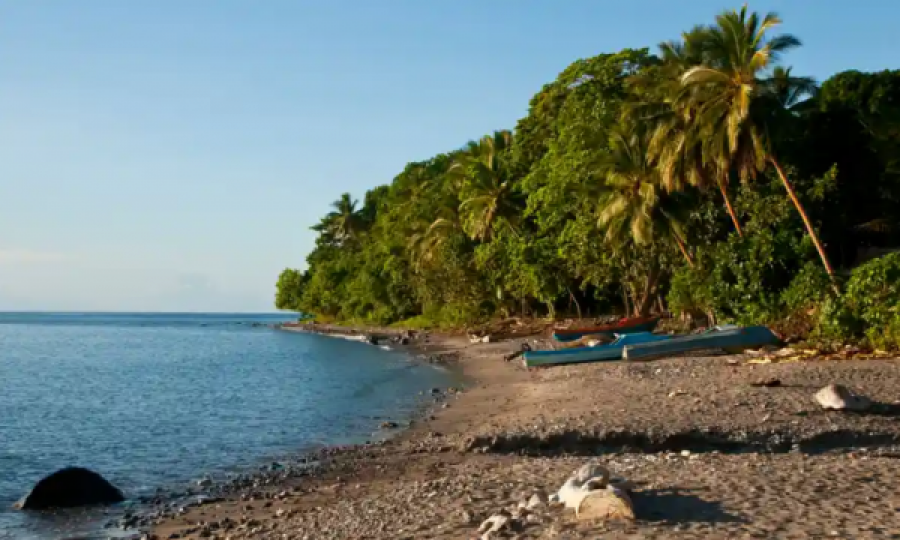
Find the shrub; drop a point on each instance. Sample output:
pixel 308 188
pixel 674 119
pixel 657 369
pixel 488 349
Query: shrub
pixel 804 300
pixel 869 305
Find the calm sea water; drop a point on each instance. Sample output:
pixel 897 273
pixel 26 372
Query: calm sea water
pixel 158 400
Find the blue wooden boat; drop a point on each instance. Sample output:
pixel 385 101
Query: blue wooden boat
pixel 598 353
pixel 728 338
pixel 624 326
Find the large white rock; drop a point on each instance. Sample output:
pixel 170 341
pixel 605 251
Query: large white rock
pixel 840 398
pixel 590 477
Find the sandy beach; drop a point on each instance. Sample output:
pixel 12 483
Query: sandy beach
pixel 715 447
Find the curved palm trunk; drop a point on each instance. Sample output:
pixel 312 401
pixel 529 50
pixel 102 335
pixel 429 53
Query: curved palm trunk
pixel 734 219
pixel 575 300
pixel 806 221
pixel 684 251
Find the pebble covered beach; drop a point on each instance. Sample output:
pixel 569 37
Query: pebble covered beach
pixel 711 447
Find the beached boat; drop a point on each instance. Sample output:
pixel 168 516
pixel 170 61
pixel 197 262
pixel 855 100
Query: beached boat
pixel 728 338
pixel 624 326
pixel 598 353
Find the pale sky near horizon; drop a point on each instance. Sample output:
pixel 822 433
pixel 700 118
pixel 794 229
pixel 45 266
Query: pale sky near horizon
pixel 166 155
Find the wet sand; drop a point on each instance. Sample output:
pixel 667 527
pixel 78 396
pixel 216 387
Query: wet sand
pixel 712 453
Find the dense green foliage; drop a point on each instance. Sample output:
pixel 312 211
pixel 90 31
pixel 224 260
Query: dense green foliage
pixel 707 176
pixel 869 306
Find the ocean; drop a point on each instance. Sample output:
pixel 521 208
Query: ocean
pixel 160 400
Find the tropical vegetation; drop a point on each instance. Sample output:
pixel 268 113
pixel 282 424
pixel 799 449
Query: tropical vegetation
pixel 707 179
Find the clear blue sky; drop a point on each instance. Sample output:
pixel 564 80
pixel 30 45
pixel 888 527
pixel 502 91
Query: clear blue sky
pixel 172 154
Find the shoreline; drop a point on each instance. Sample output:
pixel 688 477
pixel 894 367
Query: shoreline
pixel 138 517
pixel 144 514
pixel 513 431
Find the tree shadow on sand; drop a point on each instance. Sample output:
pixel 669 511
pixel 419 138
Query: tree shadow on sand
pixel 891 410
pixel 877 408
pixel 674 505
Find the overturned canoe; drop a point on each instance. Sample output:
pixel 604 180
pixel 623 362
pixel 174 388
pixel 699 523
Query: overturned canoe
pixel 598 353
pixel 624 326
pixel 728 338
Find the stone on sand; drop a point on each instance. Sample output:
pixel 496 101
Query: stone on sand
pixel 588 478
pixel 841 398
pixel 592 471
pixel 535 501
pixel 611 503
pixel 496 523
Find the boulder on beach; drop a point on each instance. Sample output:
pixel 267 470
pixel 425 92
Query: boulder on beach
pixel 841 398
pixel 610 503
pixel 71 487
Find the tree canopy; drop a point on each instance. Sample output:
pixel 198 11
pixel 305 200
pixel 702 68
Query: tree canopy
pixel 708 178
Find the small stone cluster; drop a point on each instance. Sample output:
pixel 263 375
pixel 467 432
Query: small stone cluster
pixel 590 491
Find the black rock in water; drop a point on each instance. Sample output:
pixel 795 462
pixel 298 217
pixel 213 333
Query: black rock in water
pixel 71 487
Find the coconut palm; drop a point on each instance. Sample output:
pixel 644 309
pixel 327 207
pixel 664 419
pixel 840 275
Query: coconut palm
pixel 634 207
pixel 344 222
pixel 636 211
pixel 673 143
pixel 788 91
pixel 732 95
pixel 426 243
pixel 486 191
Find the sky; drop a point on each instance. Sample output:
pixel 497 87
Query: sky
pixel 171 155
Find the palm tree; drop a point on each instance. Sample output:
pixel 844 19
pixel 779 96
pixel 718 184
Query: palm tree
pixel 673 144
pixel 634 208
pixel 788 91
pixel 427 241
pixel 486 191
pixel 344 222
pixel 733 98
pixel 635 211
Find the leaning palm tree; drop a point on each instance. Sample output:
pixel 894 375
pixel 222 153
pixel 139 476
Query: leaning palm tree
pixel 636 211
pixel 486 191
pixel 673 143
pixel 732 94
pixel 634 207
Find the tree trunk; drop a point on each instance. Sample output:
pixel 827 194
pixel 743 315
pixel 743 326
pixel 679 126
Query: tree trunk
pixel 643 308
pixel 551 311
pixel 684 251
pixel 573 299
pixel 734 219
pixel 809 226
pixel 625 301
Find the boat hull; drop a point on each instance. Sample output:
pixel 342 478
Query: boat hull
pixel 630 326
pixel 729 339
pixel 599 353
